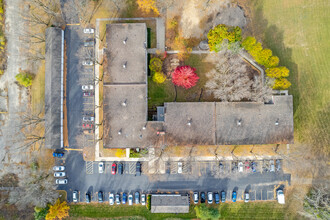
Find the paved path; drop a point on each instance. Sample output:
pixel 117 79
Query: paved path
pixel 160 30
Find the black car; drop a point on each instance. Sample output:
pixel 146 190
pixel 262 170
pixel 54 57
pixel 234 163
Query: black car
pixel 88 197
pixel 100 196
pixel 223 196
pixel 216 198
pixel 120 168
pixel 138 169
pixel 202 197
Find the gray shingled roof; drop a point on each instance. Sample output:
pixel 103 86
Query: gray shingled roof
pixel 53 88
pixel 169 203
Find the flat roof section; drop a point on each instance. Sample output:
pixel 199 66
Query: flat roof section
pixel 190 123
pixel 255 123
pixel 126 53
pixel 168 203
pixel 53 88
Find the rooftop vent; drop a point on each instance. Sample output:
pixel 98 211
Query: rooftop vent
pixel 189 122
pixel 239 122
pixel 277 122
pixel 125 65
pixel 124 103
pixel 119 132
pixel 125 41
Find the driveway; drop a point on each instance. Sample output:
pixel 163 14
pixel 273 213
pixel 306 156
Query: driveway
pixel 84 177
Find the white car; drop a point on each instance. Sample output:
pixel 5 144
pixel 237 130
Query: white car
pixel 59 168
pixel 209 197
pixel 240 167
pixel 59 174
pixel 61 181
pixel 75 196
pixel 246 197
pixel 87 87
pixel 196 199
pixel 88 31
pixel 179 167
pixel 101 167
pixel 88 118
pixel 111 199
pixel 87 63
pixel 130 199
pixel 143 199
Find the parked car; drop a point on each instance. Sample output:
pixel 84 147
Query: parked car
pixel 101 167
pixel 88 31
pixel 55 154
pixel 88 118
pixel 240 167
pixel 120 168
pixel 138 169
pixel 75 196
pixel 143 199
pixel 179 167
pixel 196 197
pixel 88 197
pixel 216 198
pixel 124 198
pixel 61 181
pixel 234 166
pixel 59 168
pixel 117 199
pixel 223 196
pixel 246 197
pixel 271 166
pixel 247 166
pixel 137 197
pixel 280 196
pixel 89 43
pixel 87 63
pixel 59 174
pixel 100 196
pixel 88 131
pixel 130 199
pixel 278 165
pixel 113 168
pixel 87 87
pixel 88 94
pixel 111 199
pixel 221 166
pixel 233 197
pixel 209 197
pixel 202 197
pixel 254 166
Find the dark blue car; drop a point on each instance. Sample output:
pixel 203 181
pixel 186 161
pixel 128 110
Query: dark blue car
pixel 233 198
pixel 223 196
pixel 202 197
pixel 58 154
pixel 124 198
pixel 216 198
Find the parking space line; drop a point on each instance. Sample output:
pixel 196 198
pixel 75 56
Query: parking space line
pixel 89 167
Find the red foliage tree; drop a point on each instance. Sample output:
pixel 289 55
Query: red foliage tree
pixel 185 77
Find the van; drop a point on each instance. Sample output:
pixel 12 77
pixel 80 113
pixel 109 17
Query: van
pixel 280 196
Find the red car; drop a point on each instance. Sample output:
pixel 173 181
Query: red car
pixel 113 168
pixel 87 126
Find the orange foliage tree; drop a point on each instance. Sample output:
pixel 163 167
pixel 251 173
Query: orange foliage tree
pixel 58 211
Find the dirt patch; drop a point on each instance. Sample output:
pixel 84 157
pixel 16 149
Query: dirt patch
pixel 9 180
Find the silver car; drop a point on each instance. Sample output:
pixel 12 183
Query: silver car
pixel 59 174
pixel 59 168
pixel 87 87
pixel 209 197
pixel 196 199
pixel 61 181
pixel 117 199
pixel 143 199
pixel 137 197
pixel 88 118
pixel 246 197
pixel 88 31
pixel 101 167
pixel 179 167
pixel 130 199
pixel 111 199
pixel 87 63
pixel 75 196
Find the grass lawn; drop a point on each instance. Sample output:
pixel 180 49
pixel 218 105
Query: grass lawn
pixel 298 32
pixel 38 90
pixel 165 92
pixel 106 211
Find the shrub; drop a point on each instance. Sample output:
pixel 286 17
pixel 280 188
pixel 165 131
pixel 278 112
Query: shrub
pixel 281 83
pixel 147 6
pixel 185 77
pixel 40 213
pixel 149 202
pixel 248 43
pixel 159 77
pixel 221 32
pixel 24 79
pixel 156 64
pixel 277 72
pixel 272 62
pixel 204 212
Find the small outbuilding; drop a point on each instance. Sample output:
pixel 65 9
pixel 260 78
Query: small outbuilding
pixel 169 203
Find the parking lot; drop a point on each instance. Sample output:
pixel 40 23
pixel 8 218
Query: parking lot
pixel 80 88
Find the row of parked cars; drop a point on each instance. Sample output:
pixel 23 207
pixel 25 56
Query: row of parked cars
pixel 252 166
pixel 59 172
pixel 216 197
pixel 113 198
pixel 119 168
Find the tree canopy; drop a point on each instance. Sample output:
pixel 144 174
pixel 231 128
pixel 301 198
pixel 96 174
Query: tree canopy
pixel 24 78
pixel 222 32
pixel 185 77
pixel 148 6
pixel 59 210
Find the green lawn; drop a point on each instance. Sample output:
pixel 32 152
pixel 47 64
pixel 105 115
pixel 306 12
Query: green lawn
pixel 298 31
pixel 239 210
pixel 106 211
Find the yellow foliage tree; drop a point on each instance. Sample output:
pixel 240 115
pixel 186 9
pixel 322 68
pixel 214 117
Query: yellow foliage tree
pixel 147 6
pixel 159 77
pixel 281 83
pixel 58 211
pixel 181 44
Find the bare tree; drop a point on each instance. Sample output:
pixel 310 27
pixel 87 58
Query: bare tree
pixel 229 81
pixel 36 188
